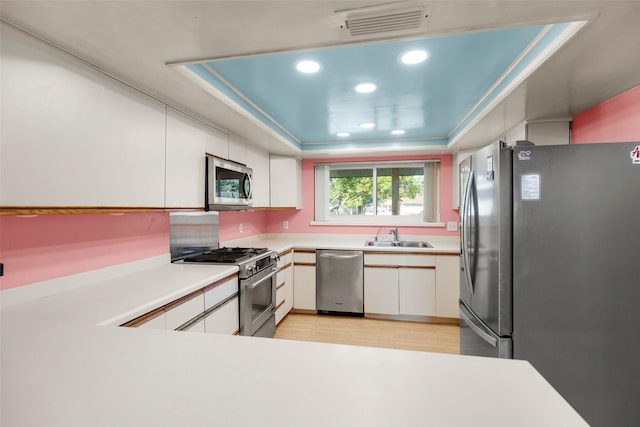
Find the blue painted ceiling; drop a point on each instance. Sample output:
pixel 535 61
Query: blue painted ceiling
pixel 431 101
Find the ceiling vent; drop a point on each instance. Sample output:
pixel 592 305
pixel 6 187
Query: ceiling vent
pixel 386 21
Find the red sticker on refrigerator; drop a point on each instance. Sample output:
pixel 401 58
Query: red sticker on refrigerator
pixel 635 155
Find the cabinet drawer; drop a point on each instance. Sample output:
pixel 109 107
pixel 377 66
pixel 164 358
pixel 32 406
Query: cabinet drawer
pixel 410 260
pixel 280 313
pixel 281 294
pixel 180 314
pixel 286 258
pixel 304 256
pixel 220 292
pixel 224 320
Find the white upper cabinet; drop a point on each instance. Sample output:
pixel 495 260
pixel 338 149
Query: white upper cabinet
pixel 258 161
pixel 237 149
pixel 131 164
pixel 286 182
pixel 188 142
pixel 71 136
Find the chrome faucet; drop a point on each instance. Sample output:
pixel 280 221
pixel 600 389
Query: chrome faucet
pixel 375 239
pixel 394 231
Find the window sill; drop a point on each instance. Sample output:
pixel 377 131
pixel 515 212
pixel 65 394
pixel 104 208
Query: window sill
pixel 360 223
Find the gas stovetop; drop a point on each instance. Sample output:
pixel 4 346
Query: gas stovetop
pixel 227 255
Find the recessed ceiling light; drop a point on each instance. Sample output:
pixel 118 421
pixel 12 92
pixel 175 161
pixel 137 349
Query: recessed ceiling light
pixel 414 57
pixel 367 125
pixel 308 66
pixel 343 134
pixel 398 132
pixel 366 87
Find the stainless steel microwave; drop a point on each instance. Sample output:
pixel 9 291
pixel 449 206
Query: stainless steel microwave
pixel 228 185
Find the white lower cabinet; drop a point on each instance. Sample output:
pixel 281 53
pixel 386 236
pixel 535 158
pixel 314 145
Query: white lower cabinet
pixel 284 283
pixel 447 286
pixel 222 307
pixel 399 290
pixel 381 290
pixel 181 312
pixel 400 284
pixel 304 280
pixel 212 309
pixel 224 319
pixel 417 291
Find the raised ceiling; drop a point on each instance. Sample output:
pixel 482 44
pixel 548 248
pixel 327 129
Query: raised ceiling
pixel 415 105
pixel 135 40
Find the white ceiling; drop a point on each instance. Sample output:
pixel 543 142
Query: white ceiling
pixel 134 40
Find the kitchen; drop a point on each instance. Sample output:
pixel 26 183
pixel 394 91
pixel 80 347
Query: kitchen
pixel 105 232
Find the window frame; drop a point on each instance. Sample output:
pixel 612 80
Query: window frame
pixel 322 216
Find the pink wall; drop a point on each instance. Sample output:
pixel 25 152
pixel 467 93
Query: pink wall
pixel 299 220
pixel 253 222
pixel 615 120
pixel 45 247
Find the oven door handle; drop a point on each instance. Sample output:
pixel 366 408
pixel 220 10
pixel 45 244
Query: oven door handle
pixel 269 276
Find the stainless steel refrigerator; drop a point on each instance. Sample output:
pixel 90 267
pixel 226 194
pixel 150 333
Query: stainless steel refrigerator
pixel 550 269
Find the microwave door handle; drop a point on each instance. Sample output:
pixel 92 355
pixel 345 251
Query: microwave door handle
pixel 250 195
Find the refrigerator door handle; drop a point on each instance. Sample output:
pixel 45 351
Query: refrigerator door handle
pixel 464 231
pixel 477 329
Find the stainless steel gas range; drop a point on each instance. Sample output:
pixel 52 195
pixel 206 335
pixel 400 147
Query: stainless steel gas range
pixel 194 239
pixel 257 282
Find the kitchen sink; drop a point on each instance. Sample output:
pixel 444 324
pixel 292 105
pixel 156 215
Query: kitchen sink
pixel 397 244
pixel 413 244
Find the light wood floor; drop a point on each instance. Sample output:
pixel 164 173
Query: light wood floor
pixel 370 332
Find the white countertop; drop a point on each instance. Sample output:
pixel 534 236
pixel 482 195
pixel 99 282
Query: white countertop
pixel 65 364
pixel 282 242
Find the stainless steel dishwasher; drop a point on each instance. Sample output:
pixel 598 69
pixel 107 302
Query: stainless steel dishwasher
pixel 340 282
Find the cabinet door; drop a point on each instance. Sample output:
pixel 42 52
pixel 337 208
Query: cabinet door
pixel 417 291
pixel 381 290
pixel 225 319
pixel 258 161
pixel 285 182
pixel 447 286
pixel 237 149
pixel 289 288
pixel 86 139
pixel 185 161
pixel 304 283
pixel 131 166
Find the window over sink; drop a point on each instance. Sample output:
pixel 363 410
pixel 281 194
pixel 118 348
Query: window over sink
pixel 380 193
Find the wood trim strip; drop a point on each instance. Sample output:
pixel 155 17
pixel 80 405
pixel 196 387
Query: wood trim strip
pixel 308 264
pixel 280 285
pixel 284 267
pixel 134 323
pixel 376 252
pixel 237 332
pixel 287 252
pixel 280 305
pixel 305 251
pixel 70 210
pixel 423 267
